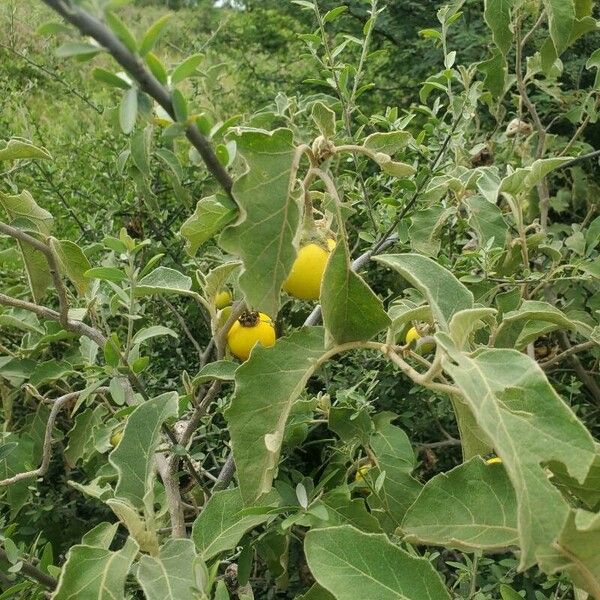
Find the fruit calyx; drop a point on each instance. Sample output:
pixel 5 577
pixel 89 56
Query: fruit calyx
pixel 249 318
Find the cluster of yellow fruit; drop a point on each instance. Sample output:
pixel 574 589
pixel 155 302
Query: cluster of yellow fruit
pixel 303 282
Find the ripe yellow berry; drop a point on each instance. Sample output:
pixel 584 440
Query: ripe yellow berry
pixel 412 335
pixel 495 460
pixel 223 299
pixel 251 328
pixel 304 280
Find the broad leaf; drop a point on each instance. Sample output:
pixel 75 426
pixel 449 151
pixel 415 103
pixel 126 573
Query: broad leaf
pixel 18 149
pixel 487 221
pixel 351 310
pixel 578 551
pixel 426 227
pixel 445 294
pixel 471 507
pixel 344 510
pixel 94 573
pixel 351 564
pixel 164 280
pixel 529 425
pixel 73 262
pixel 211 215
pixel 266 387
pixel 263 237
pixel 511 330
pixel 223 370
pixel 150 332
pixel 497 15
pixel 223 522
pixel 25 213
pixel 561 19
pixel 388 142
pixel 133 458
pixel 526 178
pixel 172 574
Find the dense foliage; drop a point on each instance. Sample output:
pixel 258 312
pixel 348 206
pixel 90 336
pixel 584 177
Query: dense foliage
pixel 299 300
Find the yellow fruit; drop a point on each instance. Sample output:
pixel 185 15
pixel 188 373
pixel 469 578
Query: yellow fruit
pixel 251 328
pixel 304 280
pixel 495 460
pixel 412 335
pixel 361 474
pixel 116 437
pixel 223 299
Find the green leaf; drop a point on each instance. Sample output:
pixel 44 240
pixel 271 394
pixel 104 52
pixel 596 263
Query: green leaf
pixel 324 118
pixel 316 592
pixel 80 437
pixel 179 106
pixel 257 420
pixel 526 178
pixel 100 536
pixel 151 332
pixel 163 280
pixel 157 68
pixel 140 150
pixel 471 507
pixel 465 322
pixel 17 149
pixel 351 564
pixel 211 215
pixel 344 510
pixel 18 460
pixel 121 30
pixel 578 550
pixel 172 574
pixel 223 370
pixel 95 573
pixel 497 15
pixel 528 425
pixel 133 458
pixel 445 294
pixel 495 71
pixel 561 19
pixel 388 142
pixel 351 310
pixel 106 273
pixel 487 221
pixel 73 262
pixel 186 68
pixel 223 522
pixel 50 370
pixel 128 110
pixel 263 237
pixel 23 208
pixel 153 34
pixel 514 323
pixel 79 49
pixel 110 78
pixel 426 228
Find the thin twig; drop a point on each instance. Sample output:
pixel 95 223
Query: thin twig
pixel 89 25
pixel 54 76
pixel 52 261
pixel 33 572
pixel 185 328
pixel 568 352
pixel 47 446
